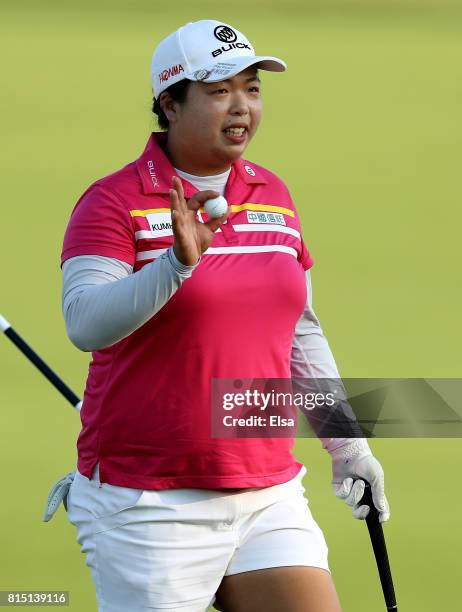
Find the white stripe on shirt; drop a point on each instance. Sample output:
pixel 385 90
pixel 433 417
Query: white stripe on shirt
pixel 240 227
pixel 227 250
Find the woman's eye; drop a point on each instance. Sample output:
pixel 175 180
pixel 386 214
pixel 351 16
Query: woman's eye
pixel 254 89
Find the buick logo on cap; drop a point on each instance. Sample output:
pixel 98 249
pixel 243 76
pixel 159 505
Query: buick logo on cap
pixel 225 34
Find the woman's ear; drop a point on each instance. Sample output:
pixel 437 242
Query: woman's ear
pixel 169 106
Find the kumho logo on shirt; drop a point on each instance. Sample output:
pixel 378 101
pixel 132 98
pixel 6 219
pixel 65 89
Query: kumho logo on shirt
pixel 160 224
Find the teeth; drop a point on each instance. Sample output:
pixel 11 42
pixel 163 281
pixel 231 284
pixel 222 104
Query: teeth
pixel 235 131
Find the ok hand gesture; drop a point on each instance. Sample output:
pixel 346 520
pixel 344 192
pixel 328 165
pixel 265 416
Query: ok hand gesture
pixel 192 237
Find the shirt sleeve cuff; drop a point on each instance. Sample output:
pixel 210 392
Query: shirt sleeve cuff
pixel 178 266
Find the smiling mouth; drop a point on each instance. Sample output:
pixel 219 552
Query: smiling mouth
pixel 236 135
pixel 235 131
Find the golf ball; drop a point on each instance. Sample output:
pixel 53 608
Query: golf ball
pixel 216 207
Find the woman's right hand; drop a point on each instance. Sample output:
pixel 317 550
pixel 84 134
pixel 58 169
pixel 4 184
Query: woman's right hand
pixel 192 237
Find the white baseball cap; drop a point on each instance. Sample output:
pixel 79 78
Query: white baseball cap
pixel 207 51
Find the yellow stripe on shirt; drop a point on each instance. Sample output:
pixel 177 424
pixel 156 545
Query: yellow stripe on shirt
pixel 148 211
pixel 234 208
pixel 263 207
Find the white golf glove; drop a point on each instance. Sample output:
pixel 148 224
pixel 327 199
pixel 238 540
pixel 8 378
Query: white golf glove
pixel 57 495
pixel 355 460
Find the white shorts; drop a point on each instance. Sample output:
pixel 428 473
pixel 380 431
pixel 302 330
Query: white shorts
pixel 170 549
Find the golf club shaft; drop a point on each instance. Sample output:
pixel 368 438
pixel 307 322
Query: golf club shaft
pixel 380 549
pixel 39 363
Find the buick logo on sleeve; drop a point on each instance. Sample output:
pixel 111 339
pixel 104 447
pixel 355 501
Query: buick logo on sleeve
pixel 225 34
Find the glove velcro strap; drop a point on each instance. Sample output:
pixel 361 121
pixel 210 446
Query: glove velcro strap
pixel 353 448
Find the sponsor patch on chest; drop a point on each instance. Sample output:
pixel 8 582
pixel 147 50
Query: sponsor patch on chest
pixel 160 224
pixel 265 217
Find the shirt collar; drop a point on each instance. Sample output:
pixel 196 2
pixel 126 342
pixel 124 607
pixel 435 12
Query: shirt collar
pixel 156 170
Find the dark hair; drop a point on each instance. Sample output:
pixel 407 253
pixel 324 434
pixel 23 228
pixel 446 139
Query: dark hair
pixel 178 92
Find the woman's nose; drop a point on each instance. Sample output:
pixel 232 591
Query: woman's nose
pixel 239 105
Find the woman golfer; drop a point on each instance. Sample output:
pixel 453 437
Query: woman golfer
pixel 168 298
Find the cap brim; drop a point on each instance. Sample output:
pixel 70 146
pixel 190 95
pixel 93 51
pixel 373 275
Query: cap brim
pixel 224 70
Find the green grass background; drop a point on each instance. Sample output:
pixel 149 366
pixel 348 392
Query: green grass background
pixel 365 129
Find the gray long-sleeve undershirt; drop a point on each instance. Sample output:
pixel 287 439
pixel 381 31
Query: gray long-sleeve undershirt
pixel 103 302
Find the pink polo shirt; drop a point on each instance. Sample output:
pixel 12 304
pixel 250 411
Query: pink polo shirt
pixel 146 414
